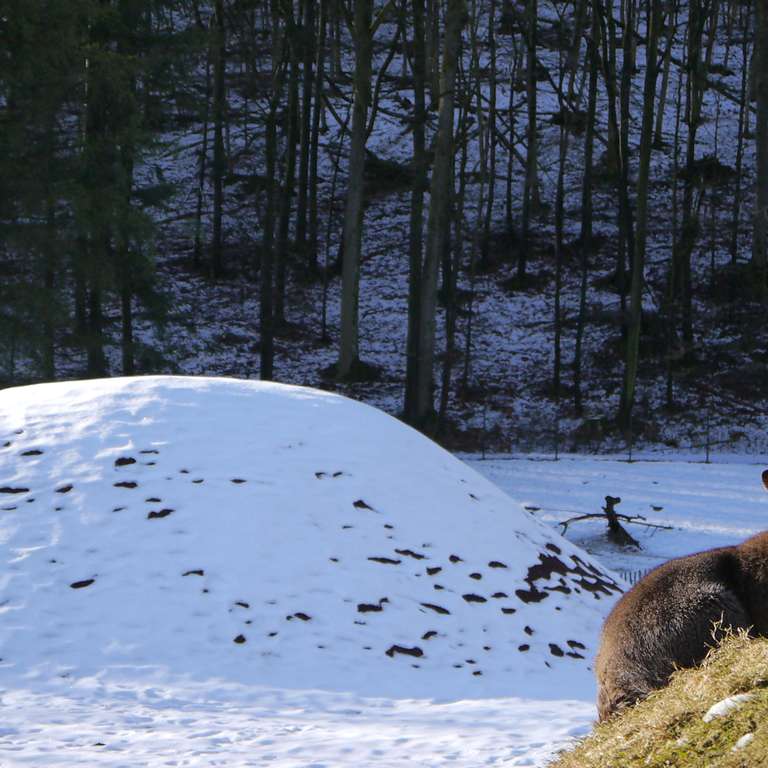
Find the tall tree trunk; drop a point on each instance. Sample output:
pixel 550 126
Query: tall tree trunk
pixel 743 116
pixel 627 69
pixel 337 11
pixel 638 262
pixel 308 49
pixel 349 353
pixel 439 209
pixel 760 239
pixel 617 160
pixel 486 239
pixel 49 258
pixel 432 50
pixel 289 181
pixel 593 47
pixel 672 309
pixel 531 191
pixel 580 20
pixel 610 70
pixel 559 215
pixel 197 253
pixel 49 285
pixel 511 116
pixel 266 307
pixel 96 359
pixel 317 112
pixel 416 229
pixel 695 84
pixel 658 139
pixel 457 249
pixel 126 280
pixel 219 160
pixel 126 323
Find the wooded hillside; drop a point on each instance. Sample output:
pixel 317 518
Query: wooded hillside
pixel 517 224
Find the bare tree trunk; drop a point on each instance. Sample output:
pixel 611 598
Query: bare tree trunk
pixel 464 125
pixel 432 44
pixel 349 354
pixel 266 305
pixel 485 242
pixel 97 360
pixel 743 117
pixel 457 251
pixel 197 253
pixel 439 209
pixel 627 69
pixel 638 263
pixel 760 240
pixel 49 284
pixel 289 182
pixel 672 309
pixel 559 213
pixel 658 139
pixel 219 160
pixel 308 49
pixel 417 212
pixel 617 159
pixel 593 47
pixel 126 282
pixel 696 82
pixel 531 193
pixel 608 39
pixel 511 116
pixel 580 12
pixel 317 111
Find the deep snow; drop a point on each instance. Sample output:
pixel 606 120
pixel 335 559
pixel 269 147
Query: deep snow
pixel 141 667
pixel 176 541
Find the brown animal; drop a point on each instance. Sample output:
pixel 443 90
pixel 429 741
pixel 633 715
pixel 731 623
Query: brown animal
pixel 673 616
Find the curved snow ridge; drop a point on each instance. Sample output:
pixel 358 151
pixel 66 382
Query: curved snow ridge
pixel 275 535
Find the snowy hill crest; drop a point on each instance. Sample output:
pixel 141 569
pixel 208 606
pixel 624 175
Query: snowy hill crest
pixel 272 535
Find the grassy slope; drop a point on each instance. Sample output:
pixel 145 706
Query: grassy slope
pixel 668 730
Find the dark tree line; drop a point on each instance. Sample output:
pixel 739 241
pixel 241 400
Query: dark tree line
pixel 100 98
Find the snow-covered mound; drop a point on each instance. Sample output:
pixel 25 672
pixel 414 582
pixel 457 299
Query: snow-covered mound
pixel 265 534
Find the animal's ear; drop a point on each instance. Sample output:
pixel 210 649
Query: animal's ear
pixel 765 479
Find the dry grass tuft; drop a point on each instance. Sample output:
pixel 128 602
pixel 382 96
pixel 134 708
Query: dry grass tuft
pixel 667 729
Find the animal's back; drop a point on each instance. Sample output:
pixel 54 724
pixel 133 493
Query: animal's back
pixel 665 622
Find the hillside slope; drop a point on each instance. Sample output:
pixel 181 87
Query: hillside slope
pixel 262 534
pixel 713 716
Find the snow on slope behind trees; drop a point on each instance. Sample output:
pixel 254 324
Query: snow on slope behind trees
pixel 261 533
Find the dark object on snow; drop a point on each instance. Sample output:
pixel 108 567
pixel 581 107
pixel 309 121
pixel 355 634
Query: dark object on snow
pixel 617 534
pixel 673 616
pixel 415 651
pixel 159 514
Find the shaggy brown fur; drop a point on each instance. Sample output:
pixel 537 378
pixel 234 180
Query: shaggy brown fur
pixel 674 615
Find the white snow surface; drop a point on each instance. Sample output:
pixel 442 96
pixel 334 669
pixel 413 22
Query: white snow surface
pixel 726 706
pixel 210 571
pixel 743 742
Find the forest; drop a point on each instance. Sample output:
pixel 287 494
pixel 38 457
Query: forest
pixel 516 224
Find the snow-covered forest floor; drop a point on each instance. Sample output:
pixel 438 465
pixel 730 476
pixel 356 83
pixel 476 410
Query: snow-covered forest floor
pixel 212 327
pixel 719 395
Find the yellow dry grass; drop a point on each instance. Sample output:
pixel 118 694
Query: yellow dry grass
pixel 668 729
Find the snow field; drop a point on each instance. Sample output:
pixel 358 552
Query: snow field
pixel 203 571
pixel 142 665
